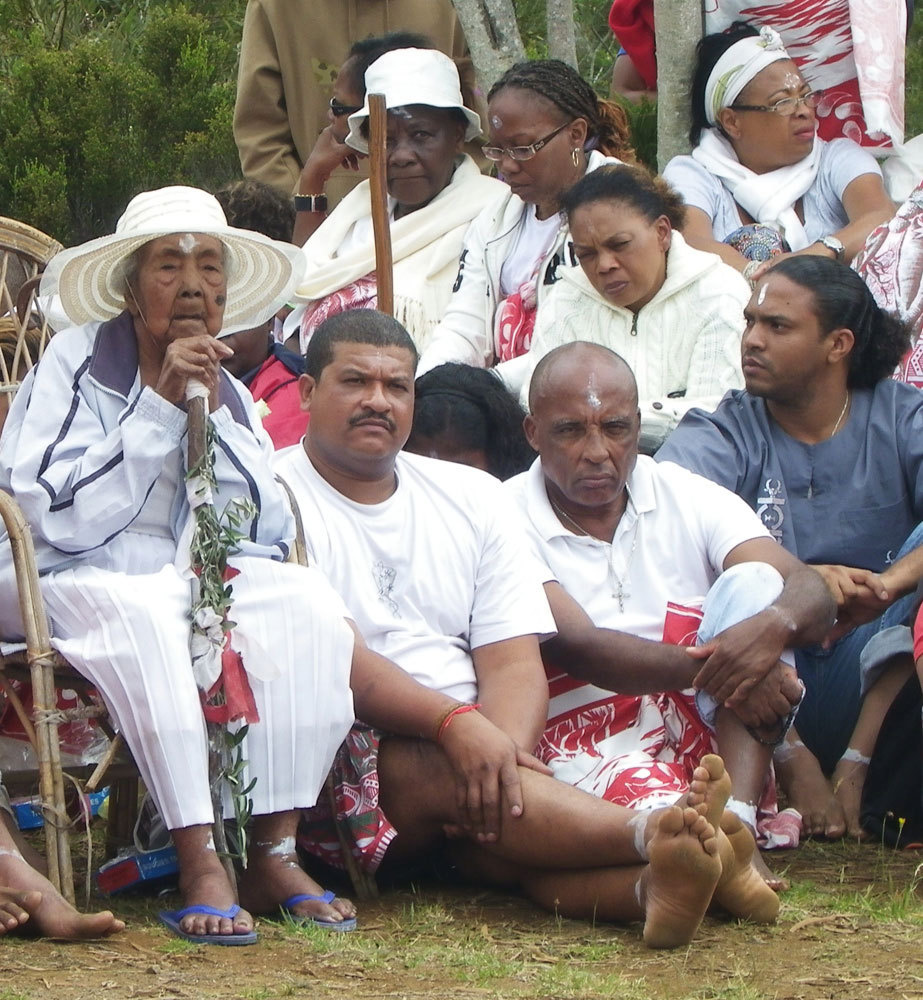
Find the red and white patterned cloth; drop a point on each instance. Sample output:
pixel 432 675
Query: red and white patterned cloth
pixel 891 264
pixel 640 751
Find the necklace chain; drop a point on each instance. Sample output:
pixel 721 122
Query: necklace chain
pixel 839 419
pixel 620 581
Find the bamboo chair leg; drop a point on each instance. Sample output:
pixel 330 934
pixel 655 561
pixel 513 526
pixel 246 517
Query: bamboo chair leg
pixel 45 716
pixel 51 780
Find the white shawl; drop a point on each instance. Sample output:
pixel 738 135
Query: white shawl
pixel 425 247
pixel 768 198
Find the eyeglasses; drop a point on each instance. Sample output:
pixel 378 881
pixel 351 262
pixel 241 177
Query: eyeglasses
pixel 786 107
pixel 520 153
pixel 341 110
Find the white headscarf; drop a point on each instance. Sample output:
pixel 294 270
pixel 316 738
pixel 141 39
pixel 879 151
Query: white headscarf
pixel 769 198
pixel 738 66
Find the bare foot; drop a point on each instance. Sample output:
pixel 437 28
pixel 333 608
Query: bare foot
pixel 35 905
pixel 710 788
pixel 848 780
pixel 274 875
pixel 775 882
pixel 15 907
pixel 811 794
pixel 743 889
pixel 29 853
pixel 677 885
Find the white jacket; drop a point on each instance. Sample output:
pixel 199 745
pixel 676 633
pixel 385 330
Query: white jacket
pixel 683 346
pixel 85 447
pixel 466 332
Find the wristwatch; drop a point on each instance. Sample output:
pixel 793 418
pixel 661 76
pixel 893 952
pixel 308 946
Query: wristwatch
pixel 314 203
pixel 832 243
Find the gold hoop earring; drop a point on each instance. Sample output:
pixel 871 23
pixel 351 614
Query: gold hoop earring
pixel 575 156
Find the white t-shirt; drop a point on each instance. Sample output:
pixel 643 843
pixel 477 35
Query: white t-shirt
pixel 841 162
pixel 436 570
pixel 534 238
pixel 670 544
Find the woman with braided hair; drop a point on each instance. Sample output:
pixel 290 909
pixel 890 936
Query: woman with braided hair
pixel 547 129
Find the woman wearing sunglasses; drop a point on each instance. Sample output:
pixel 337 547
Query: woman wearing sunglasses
pixel 434 191
pixel 330 150
pixel 546 129
pixel 759 182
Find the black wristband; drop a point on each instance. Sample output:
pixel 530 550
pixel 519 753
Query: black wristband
pixel 310 202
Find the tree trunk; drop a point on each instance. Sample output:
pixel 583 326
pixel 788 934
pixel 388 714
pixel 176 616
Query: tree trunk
pixel 678 27
pixel 493 37
pixel 559 27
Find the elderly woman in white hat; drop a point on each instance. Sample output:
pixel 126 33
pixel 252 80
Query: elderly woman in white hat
pixel 94 451
pixel 759 181
pixel 434 190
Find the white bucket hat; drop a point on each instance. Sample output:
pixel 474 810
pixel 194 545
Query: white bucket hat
pixel 412 76
pixel 261 273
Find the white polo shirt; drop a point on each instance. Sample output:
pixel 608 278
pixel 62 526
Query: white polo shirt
pixel 435 571
pixel 670 544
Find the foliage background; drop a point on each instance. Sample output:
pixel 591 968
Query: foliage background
pixel 100 99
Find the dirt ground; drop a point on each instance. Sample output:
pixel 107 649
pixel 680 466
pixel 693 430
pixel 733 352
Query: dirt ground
pixel 851 927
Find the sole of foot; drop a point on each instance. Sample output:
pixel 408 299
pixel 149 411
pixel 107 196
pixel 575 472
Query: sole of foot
pixel 678 883
pixel 742 890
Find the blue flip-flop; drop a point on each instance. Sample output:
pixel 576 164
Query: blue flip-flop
pixel 172 918
pixel 346 924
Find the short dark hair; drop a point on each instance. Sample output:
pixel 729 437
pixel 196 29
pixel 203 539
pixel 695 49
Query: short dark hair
pixel 707 53
pixel 257 206
pixel 842 299
pixel 355 326
pixel 367 50
pixel 634 186
pixel 472 408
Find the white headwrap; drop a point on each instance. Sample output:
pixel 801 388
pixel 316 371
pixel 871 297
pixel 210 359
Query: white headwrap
pixel 738 66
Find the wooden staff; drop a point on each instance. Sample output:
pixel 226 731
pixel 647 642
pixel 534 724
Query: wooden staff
pixel 197 408
pixel 381 225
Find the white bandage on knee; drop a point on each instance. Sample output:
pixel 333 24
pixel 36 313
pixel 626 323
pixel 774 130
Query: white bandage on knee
pixel 855 757
pixel 785 750
pixel 746 811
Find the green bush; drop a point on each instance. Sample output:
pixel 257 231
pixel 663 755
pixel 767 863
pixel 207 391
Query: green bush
pixel 138 103
pixel 100 99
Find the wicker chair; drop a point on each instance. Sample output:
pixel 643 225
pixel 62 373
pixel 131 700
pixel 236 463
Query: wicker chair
pixel 24 253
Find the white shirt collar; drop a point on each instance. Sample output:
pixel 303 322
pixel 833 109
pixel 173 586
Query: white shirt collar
pixel 640 496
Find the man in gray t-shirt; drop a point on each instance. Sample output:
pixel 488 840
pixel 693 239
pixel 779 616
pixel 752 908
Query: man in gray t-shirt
pixel 829 451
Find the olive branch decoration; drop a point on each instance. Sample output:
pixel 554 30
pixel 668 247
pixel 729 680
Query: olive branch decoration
pixel 215 538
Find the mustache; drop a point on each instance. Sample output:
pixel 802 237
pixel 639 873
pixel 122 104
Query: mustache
pixel 372 415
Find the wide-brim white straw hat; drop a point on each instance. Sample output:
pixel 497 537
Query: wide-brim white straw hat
pixel 412 76
pixel 261 272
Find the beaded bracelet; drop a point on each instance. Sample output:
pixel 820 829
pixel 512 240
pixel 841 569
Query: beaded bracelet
pixel 446 719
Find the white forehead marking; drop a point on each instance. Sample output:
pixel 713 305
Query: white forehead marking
pixel 591 395
pixel 496 121
pixel 762 295
pixel 793 81
pixel 188 243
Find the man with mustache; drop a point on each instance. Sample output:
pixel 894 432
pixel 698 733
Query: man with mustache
pixel 829 451
pixel 440 582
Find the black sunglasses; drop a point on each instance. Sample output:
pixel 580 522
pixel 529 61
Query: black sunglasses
pixel 341 110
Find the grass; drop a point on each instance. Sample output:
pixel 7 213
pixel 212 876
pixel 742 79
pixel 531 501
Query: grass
pixel 913 70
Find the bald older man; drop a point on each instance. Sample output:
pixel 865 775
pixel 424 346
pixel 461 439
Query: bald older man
pixel 632 549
